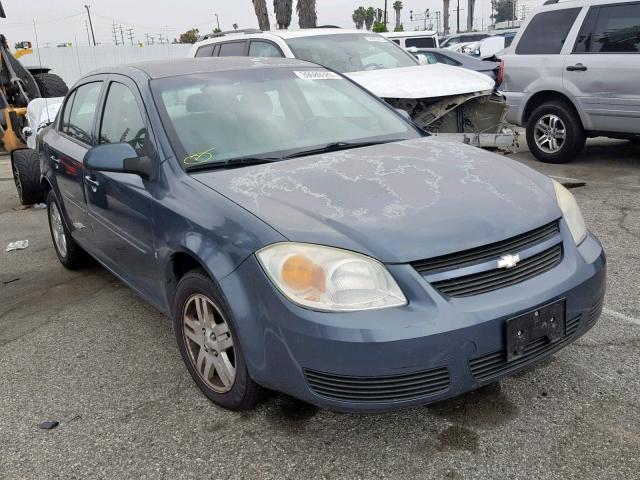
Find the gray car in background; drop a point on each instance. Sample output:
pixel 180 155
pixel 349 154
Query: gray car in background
pixel 572 72
pixel 449 57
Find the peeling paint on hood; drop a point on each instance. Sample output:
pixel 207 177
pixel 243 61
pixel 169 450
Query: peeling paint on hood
pixel 423 81
pixel 397 202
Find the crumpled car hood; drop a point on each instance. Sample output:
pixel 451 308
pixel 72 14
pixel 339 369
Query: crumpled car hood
pixel 397 202
pixel 422 81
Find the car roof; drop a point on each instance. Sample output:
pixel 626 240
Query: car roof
pixel 283 34
pixel 577 4
pixel 418 33
pixel 188 66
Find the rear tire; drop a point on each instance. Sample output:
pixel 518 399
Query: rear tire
pixel 209 344
pixel 50 85
pixel 70 254
pixel 26 175
pixel 555 133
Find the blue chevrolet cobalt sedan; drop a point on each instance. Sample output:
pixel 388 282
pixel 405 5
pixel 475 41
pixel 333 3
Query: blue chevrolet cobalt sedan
pixel 306 238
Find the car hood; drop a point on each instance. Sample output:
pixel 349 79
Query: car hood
pixel 397 202
pixel 422 81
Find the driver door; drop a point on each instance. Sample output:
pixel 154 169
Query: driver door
pixel 119 204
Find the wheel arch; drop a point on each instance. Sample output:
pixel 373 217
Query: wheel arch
pixel 179 263
pixel 545 96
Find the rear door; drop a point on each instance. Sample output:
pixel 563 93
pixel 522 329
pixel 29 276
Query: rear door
pixel 603 71
pixel 120 204
pixel 65 147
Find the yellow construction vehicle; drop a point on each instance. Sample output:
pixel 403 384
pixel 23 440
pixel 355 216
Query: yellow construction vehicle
pixel 18 86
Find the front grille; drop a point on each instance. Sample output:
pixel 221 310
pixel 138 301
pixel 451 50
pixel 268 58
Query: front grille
pixel 487 252
pixel 379 389
pixel 595 312
pixel 495 364
pixel 500 278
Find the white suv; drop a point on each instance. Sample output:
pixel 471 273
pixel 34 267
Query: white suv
pixel 573 72
pixel 449 101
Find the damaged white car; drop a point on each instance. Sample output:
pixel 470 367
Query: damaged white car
pixel 444 100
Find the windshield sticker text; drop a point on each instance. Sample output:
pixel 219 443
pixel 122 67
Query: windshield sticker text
pixel 375 39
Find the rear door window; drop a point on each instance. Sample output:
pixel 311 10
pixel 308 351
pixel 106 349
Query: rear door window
pixel 610 29
pixel 80 121
pixel 205 51
pixel 420 42
pixel 232 49
pixel 264 49
pixel 547 32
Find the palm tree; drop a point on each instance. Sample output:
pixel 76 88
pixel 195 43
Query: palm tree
pixel 283 10
pixel 397 6
pixel 359 16
pixel 370 17
pixel 260 7
pixel 307 17
pixel 471 4
pixel 445 16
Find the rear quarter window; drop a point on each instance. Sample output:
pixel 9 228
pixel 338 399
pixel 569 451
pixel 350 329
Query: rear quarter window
pixel 206 50
pixel 420 42
pixel 547 32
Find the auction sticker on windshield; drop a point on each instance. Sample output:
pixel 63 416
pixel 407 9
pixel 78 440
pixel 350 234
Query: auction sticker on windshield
pixel 375 39
pixel 317 75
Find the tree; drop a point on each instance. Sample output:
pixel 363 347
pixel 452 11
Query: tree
pixel 260 6
pixel 359 16
pixel 370 17
pixel 502 10
pixel 379 27
pixel 445 16
pixel 397 7
pixel 307 16
pixel 399 28
pixel 283 10
pixel 190 36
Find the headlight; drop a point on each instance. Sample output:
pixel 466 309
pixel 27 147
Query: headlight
pixel 329 279
pixel 571 212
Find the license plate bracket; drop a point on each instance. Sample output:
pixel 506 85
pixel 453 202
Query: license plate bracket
pixel 547 321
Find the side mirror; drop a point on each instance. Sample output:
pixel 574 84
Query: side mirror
pixel 117 158
pixel 404 114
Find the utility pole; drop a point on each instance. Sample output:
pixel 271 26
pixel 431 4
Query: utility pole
pixel 146 35
pixel 122 34
pixel 458 9
pixel 130 34
pixel 90 24
pixel 161 38
pixel 114 33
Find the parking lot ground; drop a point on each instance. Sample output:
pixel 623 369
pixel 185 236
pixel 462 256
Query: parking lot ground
pixel 82 349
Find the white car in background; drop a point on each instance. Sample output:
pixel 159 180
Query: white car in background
pixel 451 102
pixel 418 39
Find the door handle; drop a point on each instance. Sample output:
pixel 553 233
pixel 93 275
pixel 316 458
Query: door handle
pixel 89 180
pixel 578 67
pixel 56 161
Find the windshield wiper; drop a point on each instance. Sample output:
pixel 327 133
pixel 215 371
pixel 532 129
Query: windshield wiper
pixel 233 162
pixel 337 146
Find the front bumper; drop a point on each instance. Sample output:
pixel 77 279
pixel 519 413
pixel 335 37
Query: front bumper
pixel 433 348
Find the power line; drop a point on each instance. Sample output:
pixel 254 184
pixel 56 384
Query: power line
pixel 130 34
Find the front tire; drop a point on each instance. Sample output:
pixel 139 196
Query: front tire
pixel 209 344
pixel 70 254
pixel 26 175
pixel 555 133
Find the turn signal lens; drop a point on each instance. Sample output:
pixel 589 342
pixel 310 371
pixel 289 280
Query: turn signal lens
pixel 300 273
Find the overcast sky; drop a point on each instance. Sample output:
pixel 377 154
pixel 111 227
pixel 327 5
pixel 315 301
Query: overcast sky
pixel 61 21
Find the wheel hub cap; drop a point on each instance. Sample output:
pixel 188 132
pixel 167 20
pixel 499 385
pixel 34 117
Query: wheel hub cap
pixel 550 133
pixel 209 343
pixel 57 230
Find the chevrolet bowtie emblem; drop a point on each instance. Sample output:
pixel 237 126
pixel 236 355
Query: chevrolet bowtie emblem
pixel 508 261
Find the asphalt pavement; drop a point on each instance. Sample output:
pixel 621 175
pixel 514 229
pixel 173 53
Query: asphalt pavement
pixel 82 349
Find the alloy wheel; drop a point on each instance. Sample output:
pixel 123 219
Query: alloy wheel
pixel 57 229
pixel 550 133
pixel 209 343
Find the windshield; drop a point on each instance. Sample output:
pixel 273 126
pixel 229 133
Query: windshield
pixel 351 52
pixel 269 113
